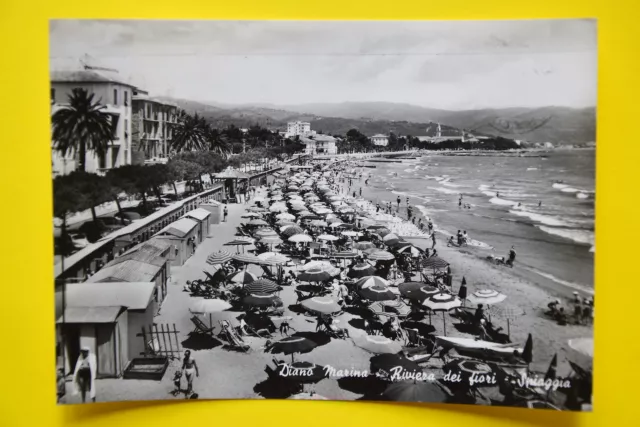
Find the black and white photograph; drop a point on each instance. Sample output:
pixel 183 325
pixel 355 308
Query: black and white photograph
pixel 324 210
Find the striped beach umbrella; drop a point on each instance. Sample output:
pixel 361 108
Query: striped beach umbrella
pixel 390 308
pixel 369 281
pixel 381 256
pixel 344 255
pixel 262 286
pixel 241 277
pixel 258 222
pixel 238 242
pixel 247 258
pixel 273 258
pixel 289 231
pixel 486 296
pixel 377 344
pixel 263 232
pixel 360 270
pixel 315 275
pixel 219 257
pixel 414 251
pixel 417 291
pixel 442 302
pixel 261 300
pixel 435 263
pixel 321 305
pixel 377 293
pixel 271 240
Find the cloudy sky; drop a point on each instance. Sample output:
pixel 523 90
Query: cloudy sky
pixel 438 64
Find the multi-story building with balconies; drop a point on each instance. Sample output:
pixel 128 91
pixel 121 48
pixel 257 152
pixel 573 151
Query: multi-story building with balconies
pixel 153 126
pixel 112 92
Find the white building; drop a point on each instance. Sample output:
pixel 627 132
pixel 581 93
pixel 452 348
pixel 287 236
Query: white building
pixel 380 139
pixel 319 144
pixel 112 92
pixel 298 129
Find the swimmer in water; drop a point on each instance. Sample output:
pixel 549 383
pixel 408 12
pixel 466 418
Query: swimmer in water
pixel 540 203
pixel 497 194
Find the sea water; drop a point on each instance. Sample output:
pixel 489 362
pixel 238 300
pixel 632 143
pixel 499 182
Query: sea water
pixel 554 240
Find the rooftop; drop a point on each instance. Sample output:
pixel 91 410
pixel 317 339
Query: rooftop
pixel 199 214
pixel 85 76
pixel 90 314
pixel 179 228
pixel 126 271
pixel 379 136
pixel 133 295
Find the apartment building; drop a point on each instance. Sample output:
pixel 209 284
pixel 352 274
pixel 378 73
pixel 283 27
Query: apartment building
pixel 298 129
pixel 112 92
pixel 153 123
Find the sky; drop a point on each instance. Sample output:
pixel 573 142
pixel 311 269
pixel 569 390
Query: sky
pixel 454 65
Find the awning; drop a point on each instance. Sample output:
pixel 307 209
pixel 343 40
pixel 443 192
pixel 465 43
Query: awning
pixel 91 314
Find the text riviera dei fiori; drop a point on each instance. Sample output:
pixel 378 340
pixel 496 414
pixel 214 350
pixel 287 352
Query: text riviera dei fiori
pixel 398 373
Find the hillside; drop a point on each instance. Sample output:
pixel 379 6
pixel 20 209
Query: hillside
pixel 559 125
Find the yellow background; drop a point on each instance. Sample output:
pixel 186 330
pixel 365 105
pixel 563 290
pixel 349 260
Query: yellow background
pixel 27 371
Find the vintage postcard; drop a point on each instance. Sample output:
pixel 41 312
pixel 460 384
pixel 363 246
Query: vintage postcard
pixel 399 211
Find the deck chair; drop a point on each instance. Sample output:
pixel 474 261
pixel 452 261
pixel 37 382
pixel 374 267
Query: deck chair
pixel 267 273
pixel 232 337
pixel 413 337
pixel 201 327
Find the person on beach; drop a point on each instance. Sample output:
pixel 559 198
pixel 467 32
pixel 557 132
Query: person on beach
pixel 540 203
pixel 409 211
pixel 497 194
pixel 407 200
pixel 420 224
pixel 360 191
pixel 398 200
pixel 433 240
pixel 512 257
pixel 577 311
pixel 224 214
pixel 478 316
pixel 465 238
pixel 459 237
pixel 430 225
pixel 84 376
pixel 377 207
pixel 354 194
pixel 189 367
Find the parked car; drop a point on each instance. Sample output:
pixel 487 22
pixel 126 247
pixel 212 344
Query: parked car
pixel 115 221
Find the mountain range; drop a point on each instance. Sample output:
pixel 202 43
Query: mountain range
pixel 559 125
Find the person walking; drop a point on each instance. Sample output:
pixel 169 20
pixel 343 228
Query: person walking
pixel 225 213
pixel 84 376
pixel 189 367
pixel 433 240
pixel 398 200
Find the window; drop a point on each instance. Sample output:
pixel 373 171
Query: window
pixel 126 98
pixel 53 95
pixel 115 97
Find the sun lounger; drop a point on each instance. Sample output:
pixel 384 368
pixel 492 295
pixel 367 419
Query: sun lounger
pixel 201 327
pixel 233 339
pixel 417 354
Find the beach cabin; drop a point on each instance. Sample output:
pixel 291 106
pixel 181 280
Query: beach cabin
pixel 130 270
pixel 203 218
pixel 106 317
pixel 180 233
pixel 215 209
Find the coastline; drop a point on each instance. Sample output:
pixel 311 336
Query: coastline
pixel 527 293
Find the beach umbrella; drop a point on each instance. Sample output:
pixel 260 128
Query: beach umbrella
pixel 285 216
pixel 414 251
pixel 381 256
pixel 383 232
pixel 276 198
pixel 271 240
pixel 300 238
pixel 346 209
pixel 376 227
pixel 247 258
pixel 289 231
pixel 415 391
pixel 552 370
pixel 237 243
pixel 328 237
pixel 377 344
pixel 307 215
pixel 397 243
pixel 251 215
pixel 335 223
pixel 315 275
pixel 377 293
pixel 307 396
pixel 336 197
pixel 387 362
pixel 283 223
pixel 364 245
pixel 318 223
pixel 417 291
pixel 256 209
pixel 209 306
pixel 258 222
pixel 321 305
pixel 527 352
pixel 273 258
pixel 369 281
pixel 442 302
pixel 344 255
pixel 390 308
pixel 293 344
pixel 391 236
pixel 241 277
pixel 486 296
pixel 263 232
pixel 298 207
pixel 261 300
pixel 360 270
pixel 258 199
pixel 219 257
pixel 435 263
pixel 278 208
pixel 302 372
pixel 261 286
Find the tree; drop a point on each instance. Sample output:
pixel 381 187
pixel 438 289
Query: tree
pixel 189 133
pixel 217 143
pixel 130 178
pixel 81 126
pixel 67 199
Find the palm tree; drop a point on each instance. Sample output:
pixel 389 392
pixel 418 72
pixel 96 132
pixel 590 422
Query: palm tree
pixel 189 134
pixel 81 126
pixel 218 144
